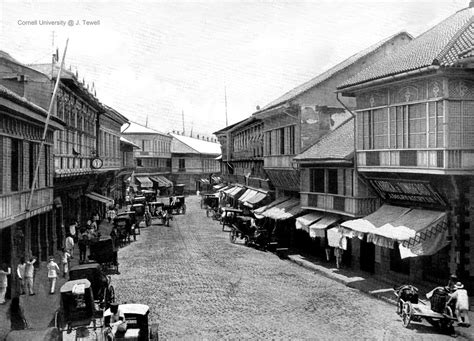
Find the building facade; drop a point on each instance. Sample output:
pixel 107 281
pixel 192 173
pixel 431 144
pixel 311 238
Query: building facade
pixel 26 222
pixel 414 145
pixel 193 160
pixel 299 118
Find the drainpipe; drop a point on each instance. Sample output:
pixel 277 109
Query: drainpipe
pixel 97 134
pixel 355 129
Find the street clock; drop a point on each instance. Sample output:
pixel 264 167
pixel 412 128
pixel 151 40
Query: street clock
pixel 97 163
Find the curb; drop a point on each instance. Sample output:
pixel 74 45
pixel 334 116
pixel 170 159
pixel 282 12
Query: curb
pixel 297 259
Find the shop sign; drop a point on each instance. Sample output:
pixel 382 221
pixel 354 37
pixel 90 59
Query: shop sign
pixel 407 190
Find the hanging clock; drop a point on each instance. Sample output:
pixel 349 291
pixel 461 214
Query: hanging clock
pixel 97 163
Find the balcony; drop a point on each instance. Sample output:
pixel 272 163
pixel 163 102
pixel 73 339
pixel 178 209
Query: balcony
pixel 434 161
pixel 349 206
pixel 13 204
pixel 278 161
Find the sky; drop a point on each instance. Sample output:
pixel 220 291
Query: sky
pixel 157 62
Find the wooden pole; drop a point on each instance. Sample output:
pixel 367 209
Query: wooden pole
pixel 45 131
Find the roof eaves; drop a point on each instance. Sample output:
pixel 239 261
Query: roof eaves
pixel 443 54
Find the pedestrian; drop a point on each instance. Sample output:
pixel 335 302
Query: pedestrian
pixel 20 272
pixel 111 213
pixel 96 218
pixel 69 245
pixel 453 279
pixel 16 315
pixel 117 323
pixel 29 275
pixel 5 271
pixel 92 224
pixel 65 259
pixel 83 240
pixel 73 230
pixel 53 270
pixel 462 304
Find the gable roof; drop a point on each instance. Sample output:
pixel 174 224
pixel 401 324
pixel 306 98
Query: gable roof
pixel 135 128
pixel 442 45
pixel 47 70
pixel 332 71
pixel 337 145
pixel 193 145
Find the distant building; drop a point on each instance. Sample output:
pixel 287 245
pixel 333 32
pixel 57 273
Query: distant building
pixel 25 230
pixel 152 158
pixel 193 161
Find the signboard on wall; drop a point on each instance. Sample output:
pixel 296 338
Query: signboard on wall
pixel 407 191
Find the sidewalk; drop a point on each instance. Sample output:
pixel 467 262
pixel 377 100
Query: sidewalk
pixel 367 284
pixel 40 308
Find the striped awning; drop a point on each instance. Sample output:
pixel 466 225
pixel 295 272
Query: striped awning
pixel 161 181
pixel 144 181
pixel 285 210
pixel 101 198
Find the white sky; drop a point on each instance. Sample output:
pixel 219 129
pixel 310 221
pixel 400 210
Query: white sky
pixel 160 58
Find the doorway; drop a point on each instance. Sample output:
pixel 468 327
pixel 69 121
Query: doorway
pixel 367 256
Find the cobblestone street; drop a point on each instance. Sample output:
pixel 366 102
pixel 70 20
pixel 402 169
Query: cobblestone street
pixel 199 285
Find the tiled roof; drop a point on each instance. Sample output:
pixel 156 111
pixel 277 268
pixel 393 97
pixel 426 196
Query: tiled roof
pixel 124 140
pixel 135 128
pixel 329 73
pixel 441 45
pixel 337 145
pixel 199 146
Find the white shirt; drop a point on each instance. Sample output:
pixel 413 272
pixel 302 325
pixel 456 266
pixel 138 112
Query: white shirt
pixel 53 269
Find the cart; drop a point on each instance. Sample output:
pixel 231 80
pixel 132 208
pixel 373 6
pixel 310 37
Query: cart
pixel 139 210
pixel 416 312
pixel 229 216
pixel 137 318
pixel 177 204
pixel 103 252
pixel 102 289
pixel 124 222
pixel 211 203
pixel 253 235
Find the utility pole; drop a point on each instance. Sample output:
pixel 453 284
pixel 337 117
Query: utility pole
pixel 225 99
pixel 182 114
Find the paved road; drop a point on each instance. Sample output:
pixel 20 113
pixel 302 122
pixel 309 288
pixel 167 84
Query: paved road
pixel 199 285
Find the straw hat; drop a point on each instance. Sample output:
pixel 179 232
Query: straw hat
pixel 458 285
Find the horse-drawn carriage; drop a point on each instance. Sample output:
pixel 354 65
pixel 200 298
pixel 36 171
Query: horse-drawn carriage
pixel 211 203
pixel 177 204
pixel 80 318
pixel 102 289
pixel 244 227
pixel 126 225
pixel 104 251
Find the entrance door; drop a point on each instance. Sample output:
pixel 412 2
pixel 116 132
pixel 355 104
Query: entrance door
pixel 367 256
pixel 347 254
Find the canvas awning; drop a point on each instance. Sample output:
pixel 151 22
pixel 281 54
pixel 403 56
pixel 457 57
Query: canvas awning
pixel 418 231
pixel 247 194
pixel 144 181
pixel 303 222
pixel 224 188
pixel 205 181
pixel 236 191
pixel 99 197
pixel 218 187
pixel 258 212
pixel 285 210
pixel 256 199
pixel 229 189
pixel 319 227
pixel 161 181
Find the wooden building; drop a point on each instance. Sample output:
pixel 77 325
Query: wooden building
pixel 415 146
pixel 25 229
pixel 299 118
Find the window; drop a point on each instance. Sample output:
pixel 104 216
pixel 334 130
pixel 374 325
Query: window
pixel 398 264
pixel 139 163
pixel 316 180
pixel 181 165
pixel 291 140
pixel 281 133
pixel 15 165
pixel 332 181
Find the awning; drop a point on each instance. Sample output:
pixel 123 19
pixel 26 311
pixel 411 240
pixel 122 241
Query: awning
pixel 161 181
pixel 418 231
pixel 303 222
pixel 318 228
pixel 205 181
pixel 236 191
pixel 258 212
pixel 285 210
pixel 218 187
pixel 229 189
pixel 144 181
pixel 257 198
pixel 247 194
pixel 99 197
pixel 225 188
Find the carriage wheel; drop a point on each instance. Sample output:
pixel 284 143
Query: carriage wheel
pixel 407 314
pixel 109 296
pixel 232 236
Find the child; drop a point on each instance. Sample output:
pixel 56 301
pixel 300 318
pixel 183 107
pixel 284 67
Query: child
pixel 65 261
pixel 462 304
pixel 53 270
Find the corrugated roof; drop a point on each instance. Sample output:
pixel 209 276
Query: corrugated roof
pixel 135 128
pixel 124 140
pixel 199 146
pixel 440 45
pixel 332 71
pixel 7 93
pixel 336 145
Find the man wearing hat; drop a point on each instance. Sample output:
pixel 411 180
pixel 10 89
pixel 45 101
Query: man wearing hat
pixel 462 304
pixel 53 270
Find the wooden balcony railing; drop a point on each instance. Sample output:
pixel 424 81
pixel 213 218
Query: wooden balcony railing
pixel 352 206
pixel 427 159
pixel 15 203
